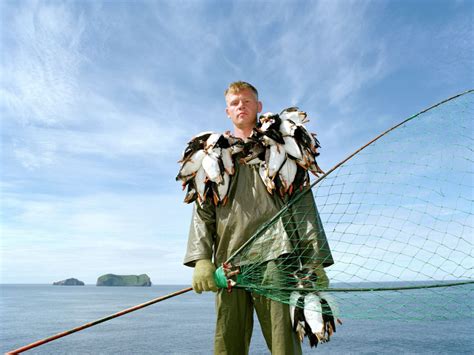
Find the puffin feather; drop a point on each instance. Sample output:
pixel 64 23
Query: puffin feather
pixel 227 160
pixel 276 158
pixel 287 174
pixel 211 166
pixel 292 147
pixel 313 313
pixel 200 184
pixel 192 164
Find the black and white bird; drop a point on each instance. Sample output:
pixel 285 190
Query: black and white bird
pixel 290 151
pixel 207 165
pixel 313 314
pixel 280 144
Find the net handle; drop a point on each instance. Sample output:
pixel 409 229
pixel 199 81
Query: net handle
pixel 98 321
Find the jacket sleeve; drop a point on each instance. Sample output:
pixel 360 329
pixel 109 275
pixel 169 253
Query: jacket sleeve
pixel 201 234
pixel 312 243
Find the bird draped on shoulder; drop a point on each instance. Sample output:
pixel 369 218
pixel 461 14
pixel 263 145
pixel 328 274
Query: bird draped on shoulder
pixel 280 144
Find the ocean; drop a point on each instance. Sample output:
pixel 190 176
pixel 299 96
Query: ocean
pixel 185 325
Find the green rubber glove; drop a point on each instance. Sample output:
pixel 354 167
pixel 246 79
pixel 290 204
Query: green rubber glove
pixel 203 277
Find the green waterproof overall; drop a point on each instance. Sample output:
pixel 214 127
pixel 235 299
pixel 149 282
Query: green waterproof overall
pixel 217 232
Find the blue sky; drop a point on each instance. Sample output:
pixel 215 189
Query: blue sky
pixel 98 99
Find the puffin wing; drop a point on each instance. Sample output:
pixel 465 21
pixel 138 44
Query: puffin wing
pixel 269 183
pixel 287 174
pixel 330 313
pixel 191 165
pixel 314 316
pixel 200 184
pixel 276 158
pixel 227 161
pixel 294 114
pixel 297 315
pixel 331 301
pixel 191 193
pixel 294 297
pixel 211 166
pixel 287 128
pixel 292 148
pixel 196 143
pixel 212 140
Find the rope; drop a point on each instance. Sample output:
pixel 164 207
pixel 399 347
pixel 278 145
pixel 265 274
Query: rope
pixel 366 289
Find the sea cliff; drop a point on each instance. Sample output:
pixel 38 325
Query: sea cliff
pixel 124 280
pixel 69 282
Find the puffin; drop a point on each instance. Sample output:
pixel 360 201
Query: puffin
pixel 207 166
pixel 196 143
pixel 301 144
pixel 280 145
pixel 313 314
pixel 269 127
pixel 285 152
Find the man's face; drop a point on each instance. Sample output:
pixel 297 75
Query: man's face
pixel 242 108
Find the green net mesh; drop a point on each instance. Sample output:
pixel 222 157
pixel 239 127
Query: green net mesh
pixel 398 219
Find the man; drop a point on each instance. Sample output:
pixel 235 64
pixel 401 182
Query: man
pixel 217 232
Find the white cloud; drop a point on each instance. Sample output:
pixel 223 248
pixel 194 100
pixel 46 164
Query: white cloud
pixel 62 112
pixel 50 86
pixel 38 147
pixel 101 98
pixel 35 154
pixel 327 54
pixel 42 69
pixel 105 214
pixel 95 234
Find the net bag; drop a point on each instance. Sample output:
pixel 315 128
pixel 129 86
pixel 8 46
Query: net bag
pixel 398 219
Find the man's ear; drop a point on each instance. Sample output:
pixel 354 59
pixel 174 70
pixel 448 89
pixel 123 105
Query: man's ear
pixel 259 107
pixel 227 112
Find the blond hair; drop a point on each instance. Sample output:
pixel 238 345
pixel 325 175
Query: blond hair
pixel 238 86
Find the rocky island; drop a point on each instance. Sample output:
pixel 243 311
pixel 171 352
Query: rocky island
pixel 123 280
pixel 69 282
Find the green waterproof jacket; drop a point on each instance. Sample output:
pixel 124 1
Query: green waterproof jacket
pixel 216 233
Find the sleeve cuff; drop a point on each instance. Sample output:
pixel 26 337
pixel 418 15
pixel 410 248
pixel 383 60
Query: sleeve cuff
pixel 191 259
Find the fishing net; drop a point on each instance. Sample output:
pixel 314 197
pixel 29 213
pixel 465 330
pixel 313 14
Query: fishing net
pixel 398 218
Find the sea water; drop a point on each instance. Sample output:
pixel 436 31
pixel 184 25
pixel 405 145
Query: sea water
pixel 185 324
